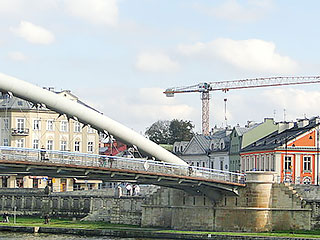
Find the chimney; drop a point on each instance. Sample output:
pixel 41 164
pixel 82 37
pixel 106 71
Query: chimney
pixel 282 126
pixel 303 122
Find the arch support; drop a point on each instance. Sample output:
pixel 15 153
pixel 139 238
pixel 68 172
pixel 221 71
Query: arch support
pixel 85 115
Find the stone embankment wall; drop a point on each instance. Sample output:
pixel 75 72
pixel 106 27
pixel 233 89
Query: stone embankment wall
pixel 93 204
pixel 311 194
pixel 261 206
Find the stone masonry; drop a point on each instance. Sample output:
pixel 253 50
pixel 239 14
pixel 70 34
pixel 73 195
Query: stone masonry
pixel 261 206
pixel 95 205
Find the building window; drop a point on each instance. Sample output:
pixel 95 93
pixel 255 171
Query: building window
pixel 50 125
pixel 77 146
pixel 221 164
pixel 35 144
pixel 203 164
pixel 90 129
pixel 307 163
pixel 64 126
pixel 247 164
pixel 221 146
pixel 63 145
pixel 90 147
pixel 50 144
pixel 267 163
pixel 36 124
pixel 287 163
pixel 20 124
pixel 77 127
pixel 6 124
pixel 262 163
pixel 5 142
pixel 272 162
pixel 20 143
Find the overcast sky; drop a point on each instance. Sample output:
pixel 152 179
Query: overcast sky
pixel 120 55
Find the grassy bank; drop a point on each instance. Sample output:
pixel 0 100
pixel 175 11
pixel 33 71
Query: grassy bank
pixel 66 223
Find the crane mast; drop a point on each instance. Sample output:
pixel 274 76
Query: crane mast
pixel 205 88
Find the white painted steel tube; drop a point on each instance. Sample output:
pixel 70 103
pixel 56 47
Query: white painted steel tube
pixel 84 114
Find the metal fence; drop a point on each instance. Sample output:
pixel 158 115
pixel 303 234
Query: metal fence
pixel 136 164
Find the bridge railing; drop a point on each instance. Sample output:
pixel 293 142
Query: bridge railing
pixel 135 164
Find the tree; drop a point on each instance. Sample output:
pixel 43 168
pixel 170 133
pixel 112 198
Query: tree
pixel 168 132
pixel 158 132
pixel 180 130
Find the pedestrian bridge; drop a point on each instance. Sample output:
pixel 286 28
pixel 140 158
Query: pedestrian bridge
pixel 195 180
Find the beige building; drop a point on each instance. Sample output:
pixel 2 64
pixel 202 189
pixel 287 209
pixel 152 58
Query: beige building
pixel 24 125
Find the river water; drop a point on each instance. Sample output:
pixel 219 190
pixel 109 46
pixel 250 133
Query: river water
pixel 43 236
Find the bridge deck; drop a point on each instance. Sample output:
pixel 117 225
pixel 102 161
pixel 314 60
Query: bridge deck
pixel 110 168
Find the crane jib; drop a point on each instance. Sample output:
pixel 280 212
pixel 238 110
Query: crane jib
pixel 225 86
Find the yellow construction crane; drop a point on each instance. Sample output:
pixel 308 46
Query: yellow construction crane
pixel 205 88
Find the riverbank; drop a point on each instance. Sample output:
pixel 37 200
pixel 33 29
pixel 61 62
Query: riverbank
pixel 62 226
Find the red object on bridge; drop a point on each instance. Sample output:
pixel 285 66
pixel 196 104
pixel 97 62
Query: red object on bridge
pixel 112 148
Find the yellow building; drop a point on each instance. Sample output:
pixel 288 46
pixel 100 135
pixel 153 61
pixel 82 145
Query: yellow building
pixel 24 125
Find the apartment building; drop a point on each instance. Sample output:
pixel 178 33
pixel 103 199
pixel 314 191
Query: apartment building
pixel 25 125
pixel 206 151
pixel 291 151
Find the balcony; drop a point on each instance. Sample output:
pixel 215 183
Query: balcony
pixel 20 131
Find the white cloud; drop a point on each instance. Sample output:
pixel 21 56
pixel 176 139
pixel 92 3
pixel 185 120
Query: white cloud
pixel 296 102
pixel 17 56
pixel 257 104
pixel 33 33
pixel 95 11
pixel 136 108
pixel 233 10
pixel 156 62
pixel 23 9
pixel 252 55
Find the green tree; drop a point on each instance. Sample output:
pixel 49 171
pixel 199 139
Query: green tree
pixel 180 130
pixel 158 132
pixel 168 132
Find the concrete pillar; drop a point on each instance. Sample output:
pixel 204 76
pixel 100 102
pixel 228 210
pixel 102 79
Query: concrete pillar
pixel 259 189
pixel 42 183
pixel 12 182
pixel 69 184
pixel 56 184
pixel 27 182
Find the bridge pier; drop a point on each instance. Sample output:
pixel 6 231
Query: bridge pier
pixel 262 205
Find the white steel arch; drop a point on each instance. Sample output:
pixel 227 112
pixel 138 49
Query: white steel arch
pixel 85 115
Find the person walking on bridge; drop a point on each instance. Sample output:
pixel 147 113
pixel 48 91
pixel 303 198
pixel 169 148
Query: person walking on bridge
pixel 42 153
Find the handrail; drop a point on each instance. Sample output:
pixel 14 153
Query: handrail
pixel 138 164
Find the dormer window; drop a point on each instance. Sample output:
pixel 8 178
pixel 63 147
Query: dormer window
pixel 221 146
